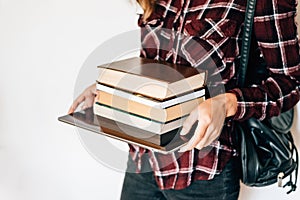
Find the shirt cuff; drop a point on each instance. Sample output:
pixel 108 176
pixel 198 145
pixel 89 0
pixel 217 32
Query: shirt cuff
pixel 241 108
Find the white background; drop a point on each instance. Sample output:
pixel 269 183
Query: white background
pixel 43 44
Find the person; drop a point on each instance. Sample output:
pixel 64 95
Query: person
pixel 207 167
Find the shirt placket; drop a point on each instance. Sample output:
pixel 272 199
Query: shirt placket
pixel 179 32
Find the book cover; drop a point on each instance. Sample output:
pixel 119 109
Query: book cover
pixel 155 79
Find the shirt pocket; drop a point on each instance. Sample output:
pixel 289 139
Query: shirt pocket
pixel 219 35
pixel 212 29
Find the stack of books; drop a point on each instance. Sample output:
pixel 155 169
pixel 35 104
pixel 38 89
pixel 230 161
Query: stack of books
pixel 147 99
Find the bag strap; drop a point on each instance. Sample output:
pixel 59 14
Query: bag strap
pixel 246 44
pixel 291 183
pixel 246 41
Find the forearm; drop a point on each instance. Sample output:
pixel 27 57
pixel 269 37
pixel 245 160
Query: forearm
pixel 276 35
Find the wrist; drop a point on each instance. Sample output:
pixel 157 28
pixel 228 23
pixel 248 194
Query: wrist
pixel 231 104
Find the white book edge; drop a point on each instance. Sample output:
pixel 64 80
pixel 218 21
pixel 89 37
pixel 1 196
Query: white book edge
pixel 138 122
pixel 149 102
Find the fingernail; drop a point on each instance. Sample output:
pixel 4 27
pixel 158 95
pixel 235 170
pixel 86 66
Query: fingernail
pixel 181 150
pixel 183 132
pixel 70 111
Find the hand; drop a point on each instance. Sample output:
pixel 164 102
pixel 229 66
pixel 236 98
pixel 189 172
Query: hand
pixel 87 97
pixel 211 115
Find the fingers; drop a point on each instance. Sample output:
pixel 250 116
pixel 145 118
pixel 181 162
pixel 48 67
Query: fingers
pixel 71 110
pixel 76 103
pixel 210 115
pixel 188 123
pixel 194 141
pixel 208 138
pixel 203 136
pixel 198 133
pixel 88 102
pixel 88 97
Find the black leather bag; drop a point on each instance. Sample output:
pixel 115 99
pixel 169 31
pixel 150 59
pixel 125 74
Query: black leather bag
pixel 267 154
pixel 267 150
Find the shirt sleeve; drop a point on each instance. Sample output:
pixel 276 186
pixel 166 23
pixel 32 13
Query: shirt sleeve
pixel 276 34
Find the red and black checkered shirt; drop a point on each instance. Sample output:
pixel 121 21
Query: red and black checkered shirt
pixel 207 34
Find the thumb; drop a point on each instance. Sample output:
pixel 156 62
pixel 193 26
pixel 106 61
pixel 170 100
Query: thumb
pixel 188 123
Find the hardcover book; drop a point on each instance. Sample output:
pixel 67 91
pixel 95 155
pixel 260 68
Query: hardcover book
pixel 151 78
pixel 137 121
pixel 149 108
pixel 144 102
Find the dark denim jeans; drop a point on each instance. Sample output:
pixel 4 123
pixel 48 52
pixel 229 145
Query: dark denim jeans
pixel 142 186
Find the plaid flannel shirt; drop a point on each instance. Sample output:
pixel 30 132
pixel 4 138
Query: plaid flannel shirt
pixel 207 34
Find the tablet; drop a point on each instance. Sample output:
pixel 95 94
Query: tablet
pixel 86 119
